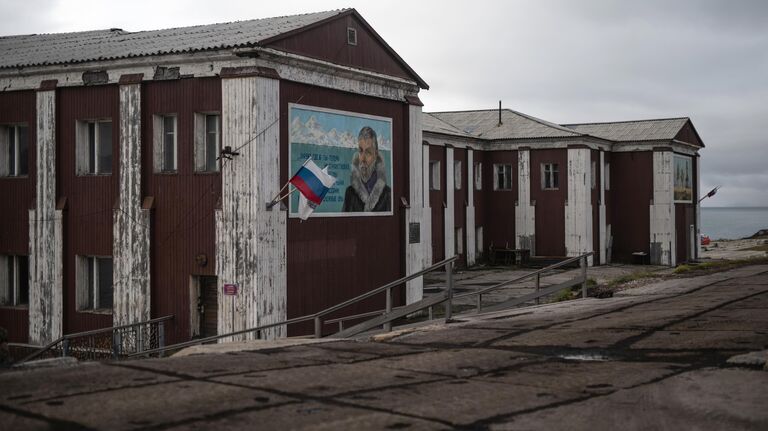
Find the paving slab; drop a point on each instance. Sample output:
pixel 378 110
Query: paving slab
pixel 459 363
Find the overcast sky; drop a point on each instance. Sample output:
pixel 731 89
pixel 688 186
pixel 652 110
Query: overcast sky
pixel 563 61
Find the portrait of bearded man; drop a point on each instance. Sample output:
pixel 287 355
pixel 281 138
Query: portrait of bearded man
pixel 368 190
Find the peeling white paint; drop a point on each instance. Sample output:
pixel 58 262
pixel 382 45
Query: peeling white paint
pixel 416 258
pixel 578 207
pixel 46 245
pixel 697 236
pixel 662 211
pixel 250 239
pixel 471 248
pixel 448 216
pixel 601 210
pixel 426 226
pixel 130 244
pixel 525 213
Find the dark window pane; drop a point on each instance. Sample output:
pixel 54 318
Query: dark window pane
pixel 105 147
pixel 11 151
pixel 211 142
pixel 91 148
pixel 23 168
pixel 169 150
pixel 105 283
pixel 23 279
pixel 11 291
pixel 89 281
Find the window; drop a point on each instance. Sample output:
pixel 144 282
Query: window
pixel 434 175
pixel 478 176
pixel 165 149
pixel 593 174
pixel 94 283
pixel 457 174
pixel 459 232
pixel 351 36
pixel 549 176
pixel 607 176
pixel 14 280
pixel 14 150
pixel 94 147
pixel 207 142
pixel 503 177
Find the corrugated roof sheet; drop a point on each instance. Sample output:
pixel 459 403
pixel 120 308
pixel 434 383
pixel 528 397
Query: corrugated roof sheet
pixel 633 131
pixel 515 125
pixel 61 48
pixel 430 123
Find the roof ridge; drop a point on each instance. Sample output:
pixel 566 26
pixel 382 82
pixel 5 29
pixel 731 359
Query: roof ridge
pixel 452 127
pixel 625 121
pixel 545 122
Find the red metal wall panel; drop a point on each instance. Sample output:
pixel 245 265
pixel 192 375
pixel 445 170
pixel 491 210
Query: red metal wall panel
pixel 90 198
pixel 332 259
pixel 17 195
pixel 329 42
pixel 631 194
pixel 437 205
pixel 500 204
pixel 460 203
pixel 550 204
pixel 183 223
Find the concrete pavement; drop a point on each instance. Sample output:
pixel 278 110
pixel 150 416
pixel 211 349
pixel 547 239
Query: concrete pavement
pixel 655 357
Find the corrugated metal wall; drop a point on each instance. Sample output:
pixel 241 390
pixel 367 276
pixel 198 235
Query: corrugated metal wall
pixel 183 215
pixel 460 204
pixel 550 204
pixel 17 195
pixel 437 200
pixel 631 193
pixel 332 259
pixel 500 225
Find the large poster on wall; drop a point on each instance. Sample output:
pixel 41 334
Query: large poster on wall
pixel 356 148
pixel 683 179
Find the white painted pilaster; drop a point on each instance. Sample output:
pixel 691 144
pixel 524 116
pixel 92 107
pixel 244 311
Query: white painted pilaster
pixel 250 239
pixel 426 226
pixel 46 244
pixel 130 244
pixel 450 189
pixel 415 256
pixel 471 248
pixel 578 208
pixel 525 213
pixel 602 220
pixel 662 211
pixel 697 237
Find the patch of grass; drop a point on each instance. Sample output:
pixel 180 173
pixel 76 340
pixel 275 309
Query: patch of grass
pixel 637 275
pixel 719 265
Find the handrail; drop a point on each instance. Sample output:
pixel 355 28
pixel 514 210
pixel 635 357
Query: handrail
pixel 314 316
pixel 91 332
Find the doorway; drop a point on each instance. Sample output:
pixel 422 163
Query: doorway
pixel 204 306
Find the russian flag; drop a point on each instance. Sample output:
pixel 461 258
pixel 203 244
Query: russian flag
pixel 313 183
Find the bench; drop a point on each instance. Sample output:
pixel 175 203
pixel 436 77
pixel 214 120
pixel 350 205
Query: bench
pixel 640 257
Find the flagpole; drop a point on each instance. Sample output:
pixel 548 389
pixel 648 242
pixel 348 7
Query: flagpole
pixel 277 197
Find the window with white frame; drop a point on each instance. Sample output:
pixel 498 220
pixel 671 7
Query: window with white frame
pixel 593 174
pixel 434 175
pixel 94 147
pixel 457 174
pixel 165 143
pixel 14 150
pixel 502 175
pixel 607 176
pixel 478 176
pixel 94 283
pixel 207 142
pixel 549 176
pixel 14 280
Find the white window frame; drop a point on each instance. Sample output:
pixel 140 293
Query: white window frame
pixel 548 171
pixel 83 147
pixel 434 175
pixel 10 281
pixel 457 174
pixel 478 176
pixel 506 170
pixel 88 284
pixel 8 167
pixel 201 142
pixel 459 238
pixel 159 132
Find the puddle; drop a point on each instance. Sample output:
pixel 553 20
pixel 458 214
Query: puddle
pixel 585 357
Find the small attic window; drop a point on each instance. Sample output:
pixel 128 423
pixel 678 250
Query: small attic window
pixel 351 36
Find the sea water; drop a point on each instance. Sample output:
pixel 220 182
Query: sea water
pixel 733 222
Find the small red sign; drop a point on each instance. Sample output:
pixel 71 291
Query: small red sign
pixel 230 289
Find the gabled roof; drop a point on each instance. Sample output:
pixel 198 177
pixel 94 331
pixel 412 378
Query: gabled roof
pixel 514 125
pixel 79 47
pixel 633 131
pixel 432 124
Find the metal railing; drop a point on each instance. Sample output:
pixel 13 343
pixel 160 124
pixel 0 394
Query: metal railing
pixel 319 317
pixel 108 343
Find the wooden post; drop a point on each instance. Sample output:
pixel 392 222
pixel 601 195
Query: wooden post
pixel 583 262
pixel 388 325
pixel 318 327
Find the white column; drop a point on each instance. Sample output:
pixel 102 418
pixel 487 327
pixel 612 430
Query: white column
pixel 450 241
pixel 578 208
pixel 602 220
pixel 470 217
pixel 662 211
pixel 525 213
pixel 697 239
pixel 130 244
pixel 46 245
pixel 415 258
pixel 250 239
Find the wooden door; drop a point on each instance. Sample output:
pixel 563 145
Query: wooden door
pixel 209 306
